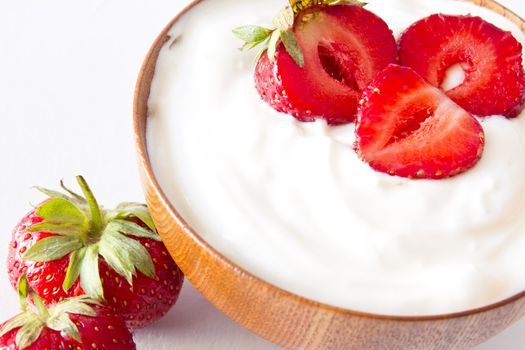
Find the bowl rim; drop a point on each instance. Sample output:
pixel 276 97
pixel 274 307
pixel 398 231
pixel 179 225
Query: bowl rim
pixel 145 163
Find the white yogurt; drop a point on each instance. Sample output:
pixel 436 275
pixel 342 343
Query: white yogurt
pixel 291 203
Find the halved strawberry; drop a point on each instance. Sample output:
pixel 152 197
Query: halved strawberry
pixel 491 58
pixel 322 64
pixel 409 128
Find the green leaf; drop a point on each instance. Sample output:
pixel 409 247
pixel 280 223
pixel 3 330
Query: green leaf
pixel 29 333
pixel 272 45
pixel 59 229
pixel 284 19
pixel 59 211
pixel 292 46
pixel 23 290
pixel 73 269
pixel 80 305
pixel 130 228
pixel 128 257
pixel 75 195
pixel 61 217
pixel 139 256
pixel 63 323
pixel 42 310
pixel 249 46
pixel 251 33
pixel 89 273
pixel 117 258
pixel 53 193
pixel 138 210
pixel 52 248
pixel 59 319
pixel 16 322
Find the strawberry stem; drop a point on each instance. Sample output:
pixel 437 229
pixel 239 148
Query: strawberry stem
pixel 96 217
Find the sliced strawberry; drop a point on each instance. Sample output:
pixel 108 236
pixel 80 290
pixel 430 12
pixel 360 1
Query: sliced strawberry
pixel 407 127
pixel 491 58
pixel 344 47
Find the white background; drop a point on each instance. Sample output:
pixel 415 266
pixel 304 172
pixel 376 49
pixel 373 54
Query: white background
pixel 67 73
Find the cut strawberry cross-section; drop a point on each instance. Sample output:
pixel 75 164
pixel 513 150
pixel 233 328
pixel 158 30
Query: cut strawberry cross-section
pixel 490 57
pixel 341 49
pixel 409 128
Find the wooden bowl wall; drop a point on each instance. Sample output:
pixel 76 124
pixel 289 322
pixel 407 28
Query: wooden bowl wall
pixel 282 317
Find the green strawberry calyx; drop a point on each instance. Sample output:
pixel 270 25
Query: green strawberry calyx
pixel 84 231
pixel 33 318
pixel 282 31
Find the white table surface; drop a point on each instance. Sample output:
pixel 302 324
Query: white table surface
pixel 67 73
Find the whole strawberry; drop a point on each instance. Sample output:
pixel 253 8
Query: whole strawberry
pixel 70 246
pixel 74 323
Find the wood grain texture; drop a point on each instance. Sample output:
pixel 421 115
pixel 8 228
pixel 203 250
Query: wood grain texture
pixel 282 317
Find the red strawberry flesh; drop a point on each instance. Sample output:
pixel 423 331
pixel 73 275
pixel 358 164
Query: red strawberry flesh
pixel 343 47
pixel 408 128
pixel 490 57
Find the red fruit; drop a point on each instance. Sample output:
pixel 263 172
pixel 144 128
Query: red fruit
pixel 344 47
pixel 409 128
pixel 105 330
pixel 65 251
pixel 75 323
pixel 491 58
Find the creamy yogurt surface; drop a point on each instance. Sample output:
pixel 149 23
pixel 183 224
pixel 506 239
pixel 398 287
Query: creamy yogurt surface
pixel 291 202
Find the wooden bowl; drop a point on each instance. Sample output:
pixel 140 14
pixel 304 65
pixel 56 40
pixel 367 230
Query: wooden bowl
pixel 282 317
